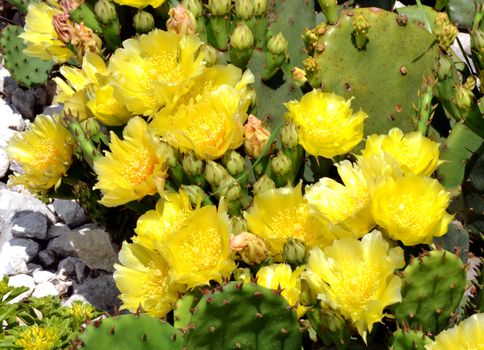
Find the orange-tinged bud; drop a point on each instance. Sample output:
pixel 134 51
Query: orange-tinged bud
pixel 251 248
pixel 181 21
pixel 256 137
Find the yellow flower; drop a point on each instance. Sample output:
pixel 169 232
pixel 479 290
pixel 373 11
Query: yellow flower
pixel 277 276
pixel 81 311
pixel 411 209
pixel 140 3
pixel 40 35
pixel 414 152
pixel 209 128
pixel 153 69
pixel 44 152
pixel 345 207
pixel 467 335
pixel 38 338
pixel 359 278
pixel 143 279
pixel 197 246
pixel 326 124
pixel 133 169
pixel 86 92
pixel 377 168
pixel 279 214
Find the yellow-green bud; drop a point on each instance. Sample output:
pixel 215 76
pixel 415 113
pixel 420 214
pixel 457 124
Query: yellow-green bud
pixel 210 55
pixel 237 225
pixel 181 21
pixel 289 138
pixel 311 65
pixel 194 6
pixel 281 164
pixel 462 97
pixel 219 7
pixel 299 76
pixel 447 36
pixel 242 274
pixel 260 7
pixel 295 252
pixel 91 127
pixel 143 22
pixel 361 27
pixel 277 44
pixel 230 188
pixel 251 248
pixel 244 9
pixel 234 163
pixel 308 296
pixel 470 83
pixel 195 194
pixel 265 183
pixel 169 153
pixel 242 37
pixel 192 165
pixel 214 173
pixel 105 11
pixel 444 66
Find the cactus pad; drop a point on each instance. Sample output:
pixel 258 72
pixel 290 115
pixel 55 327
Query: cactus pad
pixel 243 316
pixel 409 340
pixel 384 77
pixel 131 332
pixel 433 285
pixel 26 70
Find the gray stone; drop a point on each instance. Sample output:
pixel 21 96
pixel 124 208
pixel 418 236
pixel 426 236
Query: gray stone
pixel 56 230
pixel 24 102
pixel 94 248
pixel 29 224
pixel 12 202
pixel 53 109
pixel 43 276
pixel 71 268
pixel 3 74
pixel 100 292
pixel 34 268
pixel 9 85
pixel 70 212
pixel 21 280
pixel 63 245
pixel 46 257
pixel 4 162
pixel 44 289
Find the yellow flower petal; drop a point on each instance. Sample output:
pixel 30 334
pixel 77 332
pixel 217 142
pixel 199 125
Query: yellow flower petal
pixel 466 335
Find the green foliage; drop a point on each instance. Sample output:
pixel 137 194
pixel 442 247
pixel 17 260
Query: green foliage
pixel 26 70
pixel 134 332
pixel 409 340
pixel 330 327
pixel 245 316
pixel 462 11
pixel 456 240
pixel 22 5
pixel 433 286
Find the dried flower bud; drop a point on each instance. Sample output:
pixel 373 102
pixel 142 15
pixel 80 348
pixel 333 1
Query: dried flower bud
pixel 181 21
pixel 251 248
pixel 256 137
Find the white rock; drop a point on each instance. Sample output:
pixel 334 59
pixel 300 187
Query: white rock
pixel 29 224
pixel 94 248
pixel 16 254
pixel 3 74
pixel 71 268
pixel 12 202
pixel 43 276
pixel 5 135
pixel 70 212
pixel 4 162
pixel 56 230
pixel 44 289
pixel 9 118
pixel 21 280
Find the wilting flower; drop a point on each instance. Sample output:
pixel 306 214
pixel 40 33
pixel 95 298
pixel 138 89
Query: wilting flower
pixel 280 214
pixel 40 35
pixel 143 279
pixel 466 335
pixel 44 152
pixel 256 137
pixel 411 209
pixel 133 169
pixel 181 20
pixel 414 152
pixel 197 246
pixel 326 124
pixel 210 127
pixel 140 3
pixel 251 248
pixel 37 337
pixel 345 207
pixel 281 276
pixel 358 278
pixel 153 69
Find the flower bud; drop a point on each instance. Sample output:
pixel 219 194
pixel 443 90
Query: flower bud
pixel 462 97
pixel 295 252
pixel 299 76
pixel 260 7
pixel 277 44
pixel 169 153
pixel 308 296
pixel 281 164
pixel 265 183
pixel 234 163
pixel 244 9
pixel 242 37
pixel 256 137
pixel 195 194
pixel 251 248
pixel 91 127
pixel 210 55
pixel 105 11
pixel 214 173
pixel 242 274
pixel 143 22
pixel 230 188
pixel 181 21
pixel 289 138
pixel 361 27
pixel 192 165
pixel 219 7
pixel 194 6
pixel 447 36
pixel 237 225
pixel 477 44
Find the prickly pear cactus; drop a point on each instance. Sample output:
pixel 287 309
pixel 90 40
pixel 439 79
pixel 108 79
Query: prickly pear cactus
pixel 242 316
pixel 384 76
pixel 409 339
pixel 330 327
pixel 433 286
pixel 131 332
pixel 26 70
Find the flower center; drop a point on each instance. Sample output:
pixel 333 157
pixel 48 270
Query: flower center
pixel 207 130
pixel 295 223
pixel 37 338
pixel 139 166
pixel 408 211
pixel 163 68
